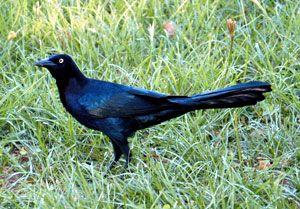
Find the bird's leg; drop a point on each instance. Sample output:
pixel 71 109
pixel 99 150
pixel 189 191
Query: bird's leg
pixel 126 151
pixel 117 154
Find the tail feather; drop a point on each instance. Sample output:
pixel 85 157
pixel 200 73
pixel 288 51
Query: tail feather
pixel 239 95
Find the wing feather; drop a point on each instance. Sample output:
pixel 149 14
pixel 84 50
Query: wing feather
pixel 129 103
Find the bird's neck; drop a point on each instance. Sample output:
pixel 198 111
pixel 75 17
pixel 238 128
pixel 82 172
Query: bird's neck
pixel 77 74
pixel 63 79
pixel 71 82
pixel 67 83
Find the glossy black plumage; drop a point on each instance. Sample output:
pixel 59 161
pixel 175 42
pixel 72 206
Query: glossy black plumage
pixel 118 110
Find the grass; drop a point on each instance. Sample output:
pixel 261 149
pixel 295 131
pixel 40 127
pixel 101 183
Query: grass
pixel 231 158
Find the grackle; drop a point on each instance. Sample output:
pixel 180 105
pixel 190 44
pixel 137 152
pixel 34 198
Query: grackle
pixel 119 111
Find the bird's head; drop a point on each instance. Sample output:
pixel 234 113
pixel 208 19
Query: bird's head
pixel 61 66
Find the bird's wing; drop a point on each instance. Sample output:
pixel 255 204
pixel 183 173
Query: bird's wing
pixel 129 102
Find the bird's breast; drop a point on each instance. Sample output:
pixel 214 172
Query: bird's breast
pixel 72 105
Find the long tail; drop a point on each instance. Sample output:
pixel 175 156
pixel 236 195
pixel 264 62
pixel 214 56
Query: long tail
pixel 239 95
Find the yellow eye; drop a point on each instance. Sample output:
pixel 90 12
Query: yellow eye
pixel 61 60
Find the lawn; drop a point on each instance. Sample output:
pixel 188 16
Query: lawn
pixel 230 158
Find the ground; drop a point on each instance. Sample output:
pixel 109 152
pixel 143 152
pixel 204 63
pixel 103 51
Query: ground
pixel 230 158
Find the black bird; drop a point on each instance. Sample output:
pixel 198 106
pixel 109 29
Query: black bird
pixel 119 111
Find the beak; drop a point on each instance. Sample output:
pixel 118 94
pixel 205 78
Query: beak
pixel 44 63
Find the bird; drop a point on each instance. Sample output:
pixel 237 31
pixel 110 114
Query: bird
pixel 119 111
